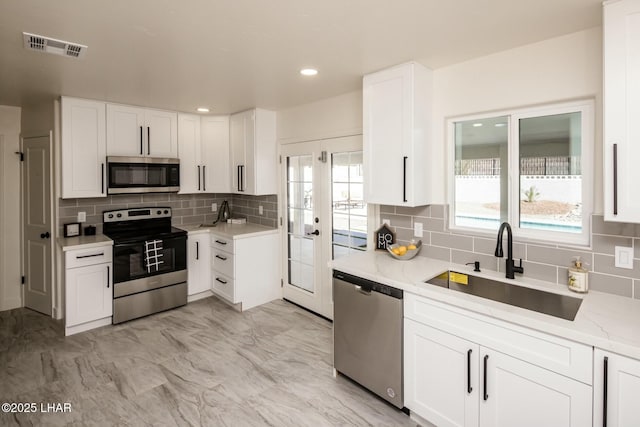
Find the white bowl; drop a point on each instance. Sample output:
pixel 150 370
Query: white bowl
pixel 410 252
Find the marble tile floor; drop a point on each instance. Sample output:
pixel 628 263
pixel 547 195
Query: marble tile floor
pixel 200 365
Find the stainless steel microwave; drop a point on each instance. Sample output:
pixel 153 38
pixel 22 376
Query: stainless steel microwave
pixel 130 175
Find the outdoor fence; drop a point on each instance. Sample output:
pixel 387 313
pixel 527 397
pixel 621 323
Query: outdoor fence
pixel 556 165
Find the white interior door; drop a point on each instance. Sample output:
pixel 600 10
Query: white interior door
pixel 324 215
pixel 36 190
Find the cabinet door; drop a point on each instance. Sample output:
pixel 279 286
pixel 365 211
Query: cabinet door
pixel 89 294
pixel 262 167
pixel 237 134
pixel 189 148
pixel 83 148
pixel 199 263
pixel 524 395
pixel 622 381
pixel 215 154
pixel 161 134
pixel 621 110
pixel 125 131
pixel 440 376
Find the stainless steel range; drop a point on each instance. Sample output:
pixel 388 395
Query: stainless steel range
pixel 149 262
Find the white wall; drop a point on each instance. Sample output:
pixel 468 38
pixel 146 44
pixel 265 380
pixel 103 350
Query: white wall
pixel 329 118
pixel 10 288
pixel 558 69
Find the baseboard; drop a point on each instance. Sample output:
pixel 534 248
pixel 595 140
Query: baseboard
pixel 70 330
pixel 10 304
pixel 199 296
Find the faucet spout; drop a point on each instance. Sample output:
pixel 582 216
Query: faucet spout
pixel 511 268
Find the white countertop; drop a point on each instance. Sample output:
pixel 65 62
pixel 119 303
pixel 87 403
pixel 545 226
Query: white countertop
pixel 607 321
pixel 231 231
pixel 83 242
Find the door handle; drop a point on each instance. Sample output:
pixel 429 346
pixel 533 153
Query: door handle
pixel 239 189
pixel 198 178
pixel 314 232
pixel 204 179
pixel 197 251
pixel 148 140
pixel 108 274
pixel 615 179
pixel 484 380
pixel 404 179
pixel 605 391
pixel 102 178
pixel 45 235
pixel 141 153
pixel 469 388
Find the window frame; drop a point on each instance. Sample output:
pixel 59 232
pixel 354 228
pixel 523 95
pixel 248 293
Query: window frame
pixel 586 108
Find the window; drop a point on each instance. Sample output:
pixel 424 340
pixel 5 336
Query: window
pixel 531 168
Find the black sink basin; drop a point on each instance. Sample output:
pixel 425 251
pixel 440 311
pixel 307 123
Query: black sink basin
pixel 562 306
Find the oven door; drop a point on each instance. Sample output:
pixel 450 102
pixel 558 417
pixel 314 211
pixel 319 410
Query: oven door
pixel 142 175
pixel 141 259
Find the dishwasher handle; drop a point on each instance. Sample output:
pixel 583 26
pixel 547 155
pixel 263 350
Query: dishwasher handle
pixel 366 286
pixel 363 291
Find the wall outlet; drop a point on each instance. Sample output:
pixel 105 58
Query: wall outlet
pixel 386 221
pixel 624 257
pixel 260 210
pixel 82 216
pixel 417 229
pixel 214 207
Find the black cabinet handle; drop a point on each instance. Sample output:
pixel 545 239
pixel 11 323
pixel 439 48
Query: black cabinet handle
pixel 141 141
pixel 221 257
pixel 605 391
pixel 469 388
pixel 615 179
pixel 204 179
pixel 239 178
pixel 197 250
pixel 102 178
pixel 198 178
pixel 148 140
pixel 484 380
pixel 108 274
pixel 221 281
pixel 89 256
pixel 221 242
pixel 404 179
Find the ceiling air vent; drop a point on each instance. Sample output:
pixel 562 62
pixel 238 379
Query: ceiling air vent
pixel 56 47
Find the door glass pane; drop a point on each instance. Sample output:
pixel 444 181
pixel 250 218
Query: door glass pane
pixel 550 173
pixel 481 173
pixel 300 221
pixel 349 211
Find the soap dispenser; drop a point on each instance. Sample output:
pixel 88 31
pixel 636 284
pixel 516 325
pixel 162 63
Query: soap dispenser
pixel 578 277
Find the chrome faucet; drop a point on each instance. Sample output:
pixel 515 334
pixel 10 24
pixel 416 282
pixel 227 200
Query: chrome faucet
pixel 511 266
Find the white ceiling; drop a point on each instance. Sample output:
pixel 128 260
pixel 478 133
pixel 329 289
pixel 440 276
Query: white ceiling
pixel 235 54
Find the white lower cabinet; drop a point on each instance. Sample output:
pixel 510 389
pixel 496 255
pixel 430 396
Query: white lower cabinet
pixel 198 263
pixel 616 390
pixel 88 289
pixel 246 270
pixel 453 378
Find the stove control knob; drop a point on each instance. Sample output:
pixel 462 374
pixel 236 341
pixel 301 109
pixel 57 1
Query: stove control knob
pixel 159 212
pixel 119 215
pixel 110 215
pixel 166 211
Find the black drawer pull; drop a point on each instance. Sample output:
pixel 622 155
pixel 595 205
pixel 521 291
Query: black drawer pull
pixel 221 281
pixel 484 381
pixel 221 257
pixel 469 388
pixel 89 256
pixel 221 242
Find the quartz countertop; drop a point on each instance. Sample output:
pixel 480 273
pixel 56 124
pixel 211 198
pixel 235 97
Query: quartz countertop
pixel 83 242
pixel 231 231
pixel 607 321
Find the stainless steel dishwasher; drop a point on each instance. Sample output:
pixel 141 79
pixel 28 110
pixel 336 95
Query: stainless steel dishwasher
pixel 367 335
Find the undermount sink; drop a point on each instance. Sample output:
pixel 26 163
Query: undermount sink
pixel 207 225
pixel 557 305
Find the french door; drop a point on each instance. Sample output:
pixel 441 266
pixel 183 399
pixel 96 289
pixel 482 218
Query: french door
pixel 324 214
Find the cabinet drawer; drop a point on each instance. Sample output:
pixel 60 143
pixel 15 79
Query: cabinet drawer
pixel 222 243
pixel 224 286
pixel 222 262
pixel 91 256
pixel 547 351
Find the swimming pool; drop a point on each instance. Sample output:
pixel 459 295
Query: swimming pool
pixel 494 223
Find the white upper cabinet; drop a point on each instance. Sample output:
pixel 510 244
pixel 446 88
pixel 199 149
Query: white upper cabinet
pixel 83 148
pixel 135 131
pixel 253 152
pixel 204 153
pixel 621 110
pixel 396 126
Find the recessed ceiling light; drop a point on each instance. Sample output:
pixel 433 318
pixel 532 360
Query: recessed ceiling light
pixel 308 71
pixel 477 125
pixel 500 125
pixel 202 110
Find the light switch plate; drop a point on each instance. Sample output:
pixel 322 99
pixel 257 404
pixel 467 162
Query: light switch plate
pixel 214 207
pixel 624 257
pixel 417 229
pixel 260 210
pixel 386 221
pixel 82 216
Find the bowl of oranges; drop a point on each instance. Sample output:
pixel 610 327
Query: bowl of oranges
pixel 405 252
